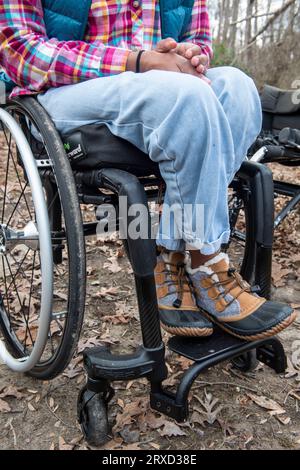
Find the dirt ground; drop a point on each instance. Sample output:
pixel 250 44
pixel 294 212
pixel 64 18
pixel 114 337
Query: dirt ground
pixel 229 409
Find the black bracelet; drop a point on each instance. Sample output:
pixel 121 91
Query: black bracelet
pixel 138 61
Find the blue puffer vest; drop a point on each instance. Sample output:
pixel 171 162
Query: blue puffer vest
pixel 67 20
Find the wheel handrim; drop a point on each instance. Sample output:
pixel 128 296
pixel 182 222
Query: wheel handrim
pixel 35 237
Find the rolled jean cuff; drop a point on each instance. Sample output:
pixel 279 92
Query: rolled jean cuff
pixel 171 245
pixel 209 248
pixel 206 248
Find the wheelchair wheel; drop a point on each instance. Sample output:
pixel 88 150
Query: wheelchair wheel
pixel 22 280
pixel 93 417
pixel 247 362
pixel 240 249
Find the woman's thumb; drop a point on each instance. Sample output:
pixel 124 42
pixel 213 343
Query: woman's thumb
pixel 166 45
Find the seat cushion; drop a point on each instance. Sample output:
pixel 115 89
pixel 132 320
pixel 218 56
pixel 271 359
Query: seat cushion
pixel 93 146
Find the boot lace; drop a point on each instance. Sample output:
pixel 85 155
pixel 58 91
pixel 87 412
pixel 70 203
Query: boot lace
pixel 227 285
pixel 176 276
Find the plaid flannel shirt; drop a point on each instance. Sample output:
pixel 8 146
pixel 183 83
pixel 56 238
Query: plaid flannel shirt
pixel 115 27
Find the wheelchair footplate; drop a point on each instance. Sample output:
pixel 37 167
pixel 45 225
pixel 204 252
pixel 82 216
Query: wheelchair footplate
pixel 208 352
pixel 103 368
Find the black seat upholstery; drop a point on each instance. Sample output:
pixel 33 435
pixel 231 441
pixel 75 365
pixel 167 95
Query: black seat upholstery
pixel 93 146
pixel 280 109
pixel 277 101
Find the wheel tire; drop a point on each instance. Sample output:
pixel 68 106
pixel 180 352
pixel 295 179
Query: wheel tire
pixel 247 258
pixel 256 261
pixel 247 362
pixel 74 235
pixel 93 419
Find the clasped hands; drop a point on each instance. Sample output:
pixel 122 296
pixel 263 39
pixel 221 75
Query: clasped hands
pixel 190 60
pixel 176 57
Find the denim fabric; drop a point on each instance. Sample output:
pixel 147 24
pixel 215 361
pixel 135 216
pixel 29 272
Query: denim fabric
pixel 198 133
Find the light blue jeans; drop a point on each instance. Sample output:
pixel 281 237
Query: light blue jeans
pixel 198 133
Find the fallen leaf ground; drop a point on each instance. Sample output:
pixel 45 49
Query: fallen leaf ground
pixel 229 410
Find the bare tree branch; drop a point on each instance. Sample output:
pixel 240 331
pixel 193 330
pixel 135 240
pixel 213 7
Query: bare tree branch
pixel 270 22
pixel 261 15
pixel 276 14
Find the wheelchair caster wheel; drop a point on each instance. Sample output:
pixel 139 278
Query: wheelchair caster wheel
pixel 247 362
pixel 92 417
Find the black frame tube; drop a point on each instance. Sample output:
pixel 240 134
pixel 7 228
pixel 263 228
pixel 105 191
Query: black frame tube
pixel 194 371
pixel 142 252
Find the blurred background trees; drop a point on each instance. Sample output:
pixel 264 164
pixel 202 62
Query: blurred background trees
pixel 260 36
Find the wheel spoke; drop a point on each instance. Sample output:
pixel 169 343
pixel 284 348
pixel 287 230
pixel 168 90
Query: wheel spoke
pixel 21 186
pixel 10 155
pixel 23 272
pixel 8 142
pixel 11 203
pixel 19 268
pixel 6 290
pixel 29 303
pixel 52 202
pixel 21 305
pixel 15 208
pixel 59 273
pixel 11 275
pixel 59 325
pixel 6 179
pixel 51 341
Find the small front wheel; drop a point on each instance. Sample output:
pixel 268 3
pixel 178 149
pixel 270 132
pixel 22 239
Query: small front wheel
pixel 93 418
pixel 247 362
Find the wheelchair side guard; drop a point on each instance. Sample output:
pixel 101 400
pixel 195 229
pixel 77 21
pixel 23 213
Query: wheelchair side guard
pixel 142 252
pixel 259 180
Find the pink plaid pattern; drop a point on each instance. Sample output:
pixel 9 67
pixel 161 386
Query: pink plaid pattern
pixel 115 27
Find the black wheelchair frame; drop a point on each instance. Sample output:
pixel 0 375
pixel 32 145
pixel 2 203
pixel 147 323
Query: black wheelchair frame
pixel 270 153
pixel 103 367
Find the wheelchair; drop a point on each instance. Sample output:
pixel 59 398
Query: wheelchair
pixel 279 142
pixel 47 178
